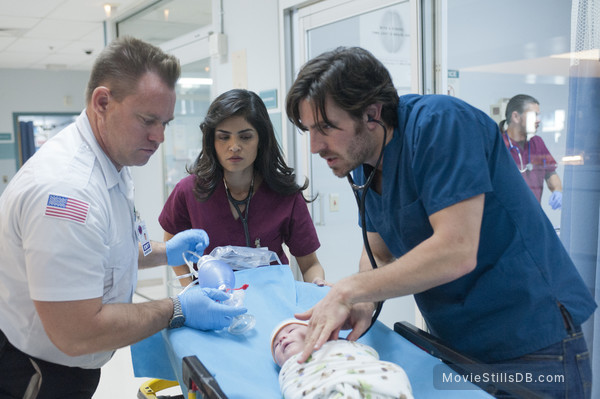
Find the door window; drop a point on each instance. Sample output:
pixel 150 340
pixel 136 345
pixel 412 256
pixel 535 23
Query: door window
pixel 388 29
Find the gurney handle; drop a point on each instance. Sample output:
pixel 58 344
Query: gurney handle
pixel 459 362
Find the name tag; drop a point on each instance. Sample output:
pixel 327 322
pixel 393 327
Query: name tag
pixel 142 235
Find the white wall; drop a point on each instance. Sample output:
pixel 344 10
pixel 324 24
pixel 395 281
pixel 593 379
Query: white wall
pixel 251 26
pixel 37 91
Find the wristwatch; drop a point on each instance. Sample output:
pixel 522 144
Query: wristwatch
pixel 178 318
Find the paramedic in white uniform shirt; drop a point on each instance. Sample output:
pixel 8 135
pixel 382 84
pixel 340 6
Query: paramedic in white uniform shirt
pixel 69 248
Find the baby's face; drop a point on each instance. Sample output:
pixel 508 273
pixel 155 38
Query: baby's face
pixel 289 341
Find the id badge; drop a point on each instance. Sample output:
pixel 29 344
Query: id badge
pixel 142 235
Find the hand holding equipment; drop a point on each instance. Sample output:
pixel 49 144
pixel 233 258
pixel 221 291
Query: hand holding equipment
pixel 194 240
pixel 203 311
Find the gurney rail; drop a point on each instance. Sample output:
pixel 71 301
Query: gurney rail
pixel 197 378
pixel 462 364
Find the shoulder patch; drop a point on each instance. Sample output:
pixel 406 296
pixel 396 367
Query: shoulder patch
pixel 62 207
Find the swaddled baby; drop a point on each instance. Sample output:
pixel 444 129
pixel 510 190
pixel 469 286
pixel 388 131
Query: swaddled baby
pixel 339 369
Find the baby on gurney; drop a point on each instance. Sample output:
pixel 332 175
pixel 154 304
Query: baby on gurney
pixel 339 369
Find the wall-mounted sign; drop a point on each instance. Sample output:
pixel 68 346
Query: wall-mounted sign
pixel 269 97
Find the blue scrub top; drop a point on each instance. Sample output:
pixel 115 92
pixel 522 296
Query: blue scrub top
pixel 445 151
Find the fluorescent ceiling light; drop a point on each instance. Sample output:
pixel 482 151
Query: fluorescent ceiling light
pixel 573 160
pixel 593 55
pixel 108 9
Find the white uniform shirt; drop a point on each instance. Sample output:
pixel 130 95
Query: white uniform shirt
pixel 66 234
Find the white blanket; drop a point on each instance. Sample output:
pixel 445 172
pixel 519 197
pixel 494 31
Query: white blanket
pixel 343 369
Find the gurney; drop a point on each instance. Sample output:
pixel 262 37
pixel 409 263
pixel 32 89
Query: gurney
pixel 241 366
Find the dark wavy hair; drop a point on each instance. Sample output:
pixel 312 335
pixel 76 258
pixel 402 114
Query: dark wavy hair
pixel 352 77
pixel 517 103
pixel 269 162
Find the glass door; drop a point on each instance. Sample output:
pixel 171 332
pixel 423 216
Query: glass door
pixel 40 127
pixel 183 139
pixel 389 30
pixel 488 68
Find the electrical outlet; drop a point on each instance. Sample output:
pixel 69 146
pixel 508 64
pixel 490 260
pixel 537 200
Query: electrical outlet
pixel 334 202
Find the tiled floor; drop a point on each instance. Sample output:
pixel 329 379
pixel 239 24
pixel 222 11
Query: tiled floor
pixel 117 380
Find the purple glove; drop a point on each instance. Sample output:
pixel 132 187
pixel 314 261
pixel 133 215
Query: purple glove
pixel 555 200
pixel 202 311
pixel 195 240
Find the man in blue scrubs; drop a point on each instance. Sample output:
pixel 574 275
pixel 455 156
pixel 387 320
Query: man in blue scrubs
pixel 451 220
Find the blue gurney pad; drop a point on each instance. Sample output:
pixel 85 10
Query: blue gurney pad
pixel 242 364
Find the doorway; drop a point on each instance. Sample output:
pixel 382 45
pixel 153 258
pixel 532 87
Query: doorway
pixel 389 30
pixel 34 129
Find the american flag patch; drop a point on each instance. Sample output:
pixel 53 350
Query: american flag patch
pixel 68 208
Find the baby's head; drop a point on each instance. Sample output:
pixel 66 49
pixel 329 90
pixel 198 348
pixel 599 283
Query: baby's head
pixel 287 339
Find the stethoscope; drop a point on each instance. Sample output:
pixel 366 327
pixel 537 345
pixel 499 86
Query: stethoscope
pixel 529 165
pixel 360 201
pixel 237 203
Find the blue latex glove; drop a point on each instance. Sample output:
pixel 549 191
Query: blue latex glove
pixel 195 240
pixel 202 312
pixel 555 200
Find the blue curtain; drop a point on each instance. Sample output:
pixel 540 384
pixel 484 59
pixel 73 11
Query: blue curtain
pixel 27 140
pixel 581 200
